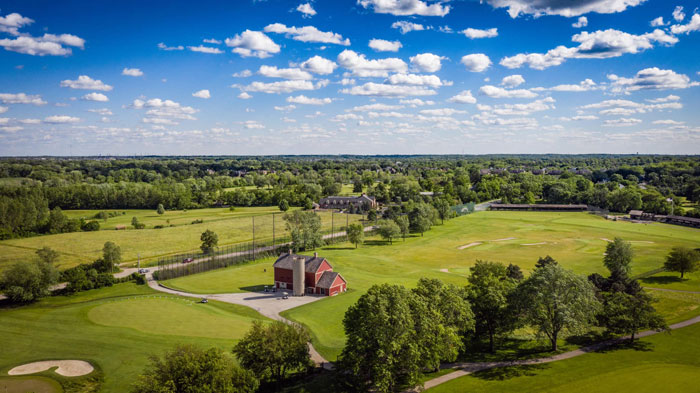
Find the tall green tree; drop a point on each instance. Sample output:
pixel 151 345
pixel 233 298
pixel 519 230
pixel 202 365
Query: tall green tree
pixel 305 229
pixel 542 262
pixel 356 234
pixel 625 313
pixel 209 241
pixel 618 257
pixel 283 205
pixel 48 255
pixel 556 301
pixel 421 217
pixel 404 225
pixel 443 209
pixel 682 260
pixel 160 210
pixel 388 230
pixel 26 282
pixel 188 369
pixel 490 291
pixel 381 352
pixel 272 350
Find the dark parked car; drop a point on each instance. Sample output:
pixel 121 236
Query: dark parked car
pixel 187 260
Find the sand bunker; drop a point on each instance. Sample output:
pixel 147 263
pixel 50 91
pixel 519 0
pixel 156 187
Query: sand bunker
pixel 504 239
pixel 468 245
pixel 533 244
pixel 607 240
pixel 444 270
pixel 67 368
pixel 641 241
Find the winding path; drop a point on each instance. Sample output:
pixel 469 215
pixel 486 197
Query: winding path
pixel 269 304
pixel 469 368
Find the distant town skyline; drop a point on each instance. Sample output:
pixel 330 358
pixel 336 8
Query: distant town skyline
pixel 349 77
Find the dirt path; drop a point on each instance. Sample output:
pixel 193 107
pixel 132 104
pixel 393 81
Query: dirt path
pixel 269 304
pixel 469 368
pixel 468 245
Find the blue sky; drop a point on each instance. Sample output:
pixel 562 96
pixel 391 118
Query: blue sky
pixel 358 77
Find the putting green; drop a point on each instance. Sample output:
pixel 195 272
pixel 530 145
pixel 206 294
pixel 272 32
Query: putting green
pixel 173 316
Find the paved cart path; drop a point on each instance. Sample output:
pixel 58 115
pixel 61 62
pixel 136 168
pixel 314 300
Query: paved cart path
pixel 467 368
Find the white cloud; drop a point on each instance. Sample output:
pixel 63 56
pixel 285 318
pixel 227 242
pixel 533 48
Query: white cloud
pixel 582 22
pixel 427 62
pixel 285 108
pixel 360 66
pixel 253 125
pixel 61 119
pixel 101 111
pixel 693 25
pixel 205 49
pixel 407 27
pixel 477 33
pixel 657 22
pixel 286 86
pixel 384 45
pixel 10 23
pixel 48 44
pixel 651 79
pixel 465 97
pixel 211 41
pixel 162 46
pixel 563 8
pixel 405 7
pixel 513 81
pixel 319 65
pixel 601 44
pixel 375 107
pixel 585 85
pixel 668 122
pixel 477 62
pixel 668 98
pixel 499 92
pixel 678 14
pixel 3 109
pixel 86 83
pixel 253 44
pixel 202 94
pixel 306 9
pixel 160 111
pixel 621 122
pixel 347 81
pixel 99 97
pixel 441 112
pixel 417 102
pixel 378 89
pixel 11 129
pixel 245 96
pixel 132 72
pixel 30 121
pixel 242 74
pixel 21 98
pixel 307 34
pixel 284 73
pixel 416 80
pixel 519 109
pixel 304 100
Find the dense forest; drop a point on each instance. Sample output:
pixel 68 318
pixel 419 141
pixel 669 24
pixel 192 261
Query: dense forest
pixel 34 190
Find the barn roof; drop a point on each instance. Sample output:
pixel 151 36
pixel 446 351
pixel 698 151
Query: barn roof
pixel 327 279
pixel 286 261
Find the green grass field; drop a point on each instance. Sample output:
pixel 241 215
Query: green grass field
pixel 116 328
pixel 661 363
pixel 574 239
pixel 83 247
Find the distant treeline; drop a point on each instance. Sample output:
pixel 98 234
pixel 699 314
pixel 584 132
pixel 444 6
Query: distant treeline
pixel 30 187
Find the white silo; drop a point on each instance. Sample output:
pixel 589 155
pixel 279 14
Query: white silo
pixel 299 271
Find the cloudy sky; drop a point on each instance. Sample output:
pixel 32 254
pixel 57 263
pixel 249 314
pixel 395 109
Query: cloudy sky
pixel 356 76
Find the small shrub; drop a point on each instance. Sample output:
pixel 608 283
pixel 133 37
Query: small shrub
pixel 198 221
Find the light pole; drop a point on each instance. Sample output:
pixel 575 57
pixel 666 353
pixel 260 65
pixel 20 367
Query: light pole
pixel 670 200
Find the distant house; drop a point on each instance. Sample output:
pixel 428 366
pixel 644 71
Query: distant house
pixel 318 277
pixel 363 202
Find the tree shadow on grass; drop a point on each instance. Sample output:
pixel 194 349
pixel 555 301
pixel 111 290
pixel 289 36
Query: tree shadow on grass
pixel 256 288
pixel 662 280
pixel 504 373
pixel 636 345
pixel 331 248
pixel 377 243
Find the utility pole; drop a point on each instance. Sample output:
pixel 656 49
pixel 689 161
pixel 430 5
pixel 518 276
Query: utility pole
pixel 253 237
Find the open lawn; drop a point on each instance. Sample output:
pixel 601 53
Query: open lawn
pixel 232 227
pixel 116 329
pixel 576 240
pixel 661 363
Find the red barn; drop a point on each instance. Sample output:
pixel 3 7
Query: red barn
pixel 318 278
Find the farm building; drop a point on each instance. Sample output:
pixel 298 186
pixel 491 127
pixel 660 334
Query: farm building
pixel 307 275
pixel 362 202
